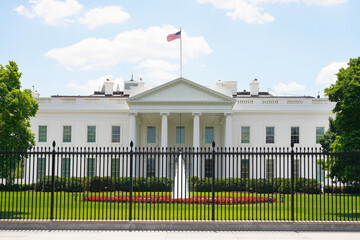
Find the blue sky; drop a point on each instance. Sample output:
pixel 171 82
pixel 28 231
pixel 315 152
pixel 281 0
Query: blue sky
pixel 70 47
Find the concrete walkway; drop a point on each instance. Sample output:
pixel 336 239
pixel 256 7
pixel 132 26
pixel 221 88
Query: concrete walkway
pixel 174 235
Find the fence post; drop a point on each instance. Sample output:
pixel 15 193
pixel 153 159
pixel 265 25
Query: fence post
pixel 213 181
pixel 131 180
pixel 292 181
pixel 52 181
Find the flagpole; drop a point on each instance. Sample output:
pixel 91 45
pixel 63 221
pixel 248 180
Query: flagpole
pixel 180 53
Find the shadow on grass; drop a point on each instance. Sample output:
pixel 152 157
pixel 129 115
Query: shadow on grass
pixel 13 215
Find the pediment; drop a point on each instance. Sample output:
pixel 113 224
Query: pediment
pixel 181 90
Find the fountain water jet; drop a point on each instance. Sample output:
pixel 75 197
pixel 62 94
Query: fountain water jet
pixel 181 188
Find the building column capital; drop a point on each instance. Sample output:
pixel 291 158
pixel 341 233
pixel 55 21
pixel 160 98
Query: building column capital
pixel 227 114
pixel 196 114
pixel 133 113
pixel 164 113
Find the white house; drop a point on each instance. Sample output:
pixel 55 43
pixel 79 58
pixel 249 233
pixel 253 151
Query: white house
pixel 181 113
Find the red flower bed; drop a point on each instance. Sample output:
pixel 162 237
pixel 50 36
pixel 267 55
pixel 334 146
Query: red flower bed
pixel 169 199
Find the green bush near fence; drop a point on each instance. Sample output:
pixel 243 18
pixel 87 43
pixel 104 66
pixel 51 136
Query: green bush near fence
pixel 155 184
pixel 280 185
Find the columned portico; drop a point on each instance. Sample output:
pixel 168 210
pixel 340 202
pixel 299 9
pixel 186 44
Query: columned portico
pixel 227 164
pixel 164 129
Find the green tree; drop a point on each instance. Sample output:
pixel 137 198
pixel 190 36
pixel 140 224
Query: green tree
pixel 346 93
pixel 17 106
pixel 329 136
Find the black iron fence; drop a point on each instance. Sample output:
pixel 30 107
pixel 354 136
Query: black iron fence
pixel 178 184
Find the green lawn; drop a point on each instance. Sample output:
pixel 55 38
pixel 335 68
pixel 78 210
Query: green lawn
pixel 36 205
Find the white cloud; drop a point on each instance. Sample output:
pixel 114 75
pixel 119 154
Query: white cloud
pixel 158 71
pixel 250 12
pixel 52 12
pixel 291 87
pixel 327 74
pixel 129 46
pixel 242 9
pixel 94 84
pixel 104 15
pixel 324 3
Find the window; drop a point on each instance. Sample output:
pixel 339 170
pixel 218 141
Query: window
pixel 91 134
pixel 295 132
pixel 270 135
pixel 320 173
pixel 151 134
pixel 209 134
pixel 42 133
pixel 270 168
pixel 245 134
pixel 41 166
pixel 65 167
pixel 180 134
pixel 115 134
pixel 208 168
pixel 319 132
pixel 244 168
pixel 91 163
pixel 150 167
pixel 66 134
pixel 296 168
pixel 115 167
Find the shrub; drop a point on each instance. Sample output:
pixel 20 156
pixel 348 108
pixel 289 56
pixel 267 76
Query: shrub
pixel 99 184
pixel 285 186
pixel 74 184
pixel 44 184
pixel 354 189
pixel 304 185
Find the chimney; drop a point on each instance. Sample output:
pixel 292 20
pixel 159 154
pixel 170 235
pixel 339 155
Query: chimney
pixel 254 88
pixel 109 87
pixel 36 95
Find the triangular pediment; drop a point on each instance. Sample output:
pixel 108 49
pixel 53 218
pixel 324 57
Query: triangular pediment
pixel 180 90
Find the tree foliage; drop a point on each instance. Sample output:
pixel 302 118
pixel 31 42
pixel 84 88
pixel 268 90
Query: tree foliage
pixel 346 125
pixel 17 106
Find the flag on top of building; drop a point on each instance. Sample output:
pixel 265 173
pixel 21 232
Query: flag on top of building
pixel 174 36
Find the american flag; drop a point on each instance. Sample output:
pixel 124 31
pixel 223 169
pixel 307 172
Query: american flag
pixel 174 36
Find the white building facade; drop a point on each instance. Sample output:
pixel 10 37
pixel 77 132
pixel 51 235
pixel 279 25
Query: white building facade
pixel 180 113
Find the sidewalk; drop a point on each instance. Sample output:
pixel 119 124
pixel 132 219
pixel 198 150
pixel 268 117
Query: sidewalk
pixel 175 235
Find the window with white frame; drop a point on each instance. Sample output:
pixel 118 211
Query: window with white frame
pixel 66 134
pixel 151 134
pixel 41 167
pixel 245 134
pixel 65 167
pixel 150 167
pixel 209 134
pixel 115 134
pixel 42 133
pixel 115 167
pixel 91 134
pixel 295 134
pixel 180 134
pixel 91 163
pixel 319 132
pixel 270 134
pixel 270 168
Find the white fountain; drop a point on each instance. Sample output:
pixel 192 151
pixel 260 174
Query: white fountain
pixel 181 189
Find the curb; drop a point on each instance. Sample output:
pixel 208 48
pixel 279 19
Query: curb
pixel 180 225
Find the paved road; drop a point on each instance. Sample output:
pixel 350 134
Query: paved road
pixel 174 235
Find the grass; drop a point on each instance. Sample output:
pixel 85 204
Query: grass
pixel 36 205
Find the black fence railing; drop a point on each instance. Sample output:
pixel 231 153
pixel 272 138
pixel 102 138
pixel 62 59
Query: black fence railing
pixel 177 184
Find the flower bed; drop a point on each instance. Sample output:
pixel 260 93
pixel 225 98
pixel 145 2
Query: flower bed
pixel 169 199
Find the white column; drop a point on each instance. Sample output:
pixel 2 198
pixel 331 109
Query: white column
pixel 132 129
pixel 132 137
pixel 164 141
pixel 228 164
pixel 228 130
pixel 196 142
